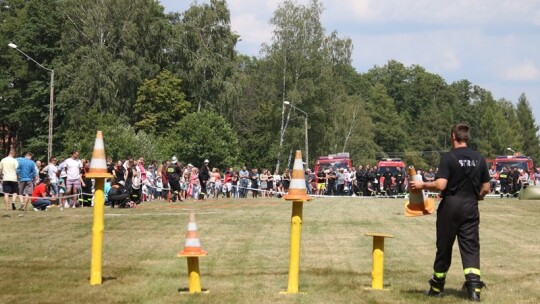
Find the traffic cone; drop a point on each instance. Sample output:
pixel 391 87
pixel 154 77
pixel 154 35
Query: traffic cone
pixel 98 165
pixel 419 203
pixel 192 246
pixel 297 187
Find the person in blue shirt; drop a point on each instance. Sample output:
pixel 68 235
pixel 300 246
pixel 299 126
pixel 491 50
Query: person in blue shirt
pixel 26 174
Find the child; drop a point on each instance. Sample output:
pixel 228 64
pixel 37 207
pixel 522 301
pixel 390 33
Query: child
pixel 159 188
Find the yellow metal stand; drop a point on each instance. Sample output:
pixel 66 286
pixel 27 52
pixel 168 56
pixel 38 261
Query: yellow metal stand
pixel 378 260
pixel 97 232
pixel 194 276
pixel 296 235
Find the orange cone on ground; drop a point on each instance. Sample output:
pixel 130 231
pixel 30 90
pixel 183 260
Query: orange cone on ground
pixel 297 187
pixel 192 246
pixel 419 203
pixel 98 165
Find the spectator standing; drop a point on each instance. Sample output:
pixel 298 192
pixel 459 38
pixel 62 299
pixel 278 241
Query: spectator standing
pixel 278 182
pixel 286 180
pixel 227 181
pixel 340 187
pixel 26 171
pixel 254 178
pixel 51 171
pixel 264 182
pixel 270 183
pixel 10 186
pixel 321 182
pixel 537 177
pixel 234 184
pixel 195 183
pixel 119 172
pixel 244 176
pixel 74 180
pixel 331 178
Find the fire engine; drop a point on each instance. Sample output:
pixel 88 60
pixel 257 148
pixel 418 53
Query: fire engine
pixel 393 164
pixel 336 161
pixel 521 162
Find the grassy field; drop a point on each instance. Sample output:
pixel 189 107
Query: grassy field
pixel 45 256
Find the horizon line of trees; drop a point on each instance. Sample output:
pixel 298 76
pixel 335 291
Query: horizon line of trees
pixel 162 84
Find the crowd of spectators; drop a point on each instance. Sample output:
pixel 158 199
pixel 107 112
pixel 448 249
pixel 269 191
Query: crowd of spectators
pixel 64 184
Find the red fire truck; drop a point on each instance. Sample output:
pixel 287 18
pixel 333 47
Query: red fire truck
pixel 393 164
pixel 336 161
pixel 521 162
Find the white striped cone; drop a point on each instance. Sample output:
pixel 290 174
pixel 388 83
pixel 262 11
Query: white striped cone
pixel 418 203
pixel 98 165
pixel 297 187
pixel 192 245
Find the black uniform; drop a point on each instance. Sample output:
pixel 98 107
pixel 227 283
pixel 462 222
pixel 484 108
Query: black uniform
pixel 361 180
pixel 400 178
pixel 458 214
pixel 388 182
pixel 174 172
pixel 504 179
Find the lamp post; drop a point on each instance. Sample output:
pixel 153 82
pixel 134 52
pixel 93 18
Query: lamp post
pixel 51 100
pixel 305 127
pixel 511 150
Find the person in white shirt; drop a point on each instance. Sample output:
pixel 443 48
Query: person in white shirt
pixel 52 173
pixel 8 172
pixel 74 181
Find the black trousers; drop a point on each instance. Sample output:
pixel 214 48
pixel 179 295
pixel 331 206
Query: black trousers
pixel 458 217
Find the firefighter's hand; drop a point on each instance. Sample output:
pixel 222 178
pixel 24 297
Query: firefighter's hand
pixel 416 185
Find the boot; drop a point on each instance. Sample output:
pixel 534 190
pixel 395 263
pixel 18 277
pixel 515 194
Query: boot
pixel 436 288
pixel 474 287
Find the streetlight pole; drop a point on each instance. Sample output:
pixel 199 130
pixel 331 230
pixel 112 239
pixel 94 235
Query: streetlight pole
pixel 305 129
pixel 511 150
pixel 51 98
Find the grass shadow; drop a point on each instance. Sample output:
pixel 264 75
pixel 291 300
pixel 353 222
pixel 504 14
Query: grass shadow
pixel 448 293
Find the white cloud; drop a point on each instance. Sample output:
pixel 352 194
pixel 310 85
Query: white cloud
pixel 527 71
pixel 484 41
pixel 454 12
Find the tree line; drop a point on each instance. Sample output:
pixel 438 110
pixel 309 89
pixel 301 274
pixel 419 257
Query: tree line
pixel 161 84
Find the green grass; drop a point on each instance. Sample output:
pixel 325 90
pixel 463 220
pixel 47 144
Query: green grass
pixel 45 256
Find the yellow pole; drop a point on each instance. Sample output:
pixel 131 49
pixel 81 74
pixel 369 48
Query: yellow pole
pixel 296 233
pixel 378 263
pixel 194 276
pixel 97 232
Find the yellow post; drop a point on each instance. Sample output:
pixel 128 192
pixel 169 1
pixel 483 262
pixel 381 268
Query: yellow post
pixel 194 276
pixel 98 171
pixel 97 232
pixel 377 272
pixel 297 194
pixel 296 234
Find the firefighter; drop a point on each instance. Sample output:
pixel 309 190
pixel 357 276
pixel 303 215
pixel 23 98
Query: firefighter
pixel 174 173
pixel 400 178
pixel 463 179
pixel 504 179
pixel 388 181
pixel 361 180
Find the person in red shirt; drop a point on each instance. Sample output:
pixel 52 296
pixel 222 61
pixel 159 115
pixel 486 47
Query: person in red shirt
pixel 39 200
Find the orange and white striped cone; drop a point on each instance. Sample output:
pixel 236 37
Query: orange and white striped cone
pixel 192 245
pixel 297 187
pixel 418 204
pixel 98 165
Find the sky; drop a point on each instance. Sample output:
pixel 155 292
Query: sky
pixel 494 44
